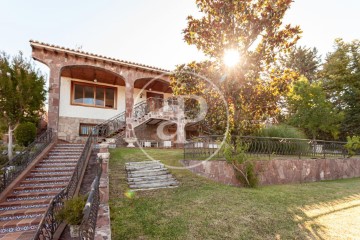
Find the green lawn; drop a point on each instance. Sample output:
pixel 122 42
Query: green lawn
pixel 203 209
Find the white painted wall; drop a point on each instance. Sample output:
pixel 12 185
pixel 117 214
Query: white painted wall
pixel 68 110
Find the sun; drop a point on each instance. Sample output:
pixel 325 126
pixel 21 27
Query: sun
pixel 231 57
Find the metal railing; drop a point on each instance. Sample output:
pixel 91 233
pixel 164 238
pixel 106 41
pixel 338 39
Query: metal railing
pixel 14 167
pixel 50 223
pixel 153 104
pixel 206 146
pixel 88 224
pixel 111 126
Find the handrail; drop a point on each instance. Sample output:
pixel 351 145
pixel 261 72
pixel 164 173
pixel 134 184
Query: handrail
pixel 49 223
pixel 88 224
pixel 206 146
pixel 111 125
pixel 14 167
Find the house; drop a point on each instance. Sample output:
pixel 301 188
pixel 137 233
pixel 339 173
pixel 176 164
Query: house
pixel 87 89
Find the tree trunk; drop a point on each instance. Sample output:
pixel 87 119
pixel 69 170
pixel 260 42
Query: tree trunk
pixel 10 143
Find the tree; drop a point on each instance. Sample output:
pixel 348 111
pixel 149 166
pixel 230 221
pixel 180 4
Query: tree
pixel 302 60
pixel 22 93
pixel 25 133
pixel 341 77
pixel 255 30
pixel 310 110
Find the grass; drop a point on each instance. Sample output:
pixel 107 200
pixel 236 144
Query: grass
pixel 203 209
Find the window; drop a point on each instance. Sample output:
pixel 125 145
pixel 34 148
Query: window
pixel 86 128
pixel 93 95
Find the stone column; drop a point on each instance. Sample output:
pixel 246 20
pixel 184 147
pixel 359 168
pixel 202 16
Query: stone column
pixel 129 105
pixel 54 97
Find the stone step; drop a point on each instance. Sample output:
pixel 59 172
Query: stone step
pixel 141 163
pixel 149 178
pixel 146 170
pixel 31 196
pixel 153 185
pixel 147 166
pixel 147 174
pixel 169 180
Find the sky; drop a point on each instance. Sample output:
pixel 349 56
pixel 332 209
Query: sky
pixel 150 32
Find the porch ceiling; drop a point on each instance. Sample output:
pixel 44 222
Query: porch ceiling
pixel 91 73
pixel 153 85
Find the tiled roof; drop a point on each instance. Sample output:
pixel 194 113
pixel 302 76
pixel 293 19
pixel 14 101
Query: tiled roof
pixel 139 65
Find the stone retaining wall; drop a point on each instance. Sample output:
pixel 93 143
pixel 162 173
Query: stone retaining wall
pixel 277 171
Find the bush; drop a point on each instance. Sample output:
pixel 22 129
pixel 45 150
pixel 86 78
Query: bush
pixel 25 133
pixel 353 145
pixel 3 159
pixel 72 213
pixel 289 146
pixel 281 131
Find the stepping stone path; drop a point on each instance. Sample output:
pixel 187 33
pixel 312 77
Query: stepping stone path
pixel 23 208
pixel 149 175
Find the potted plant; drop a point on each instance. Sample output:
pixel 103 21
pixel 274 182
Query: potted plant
pixel 72 214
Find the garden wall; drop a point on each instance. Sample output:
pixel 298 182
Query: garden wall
pixel 277 171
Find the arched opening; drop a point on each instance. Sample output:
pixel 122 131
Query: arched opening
pixel 92 74
pixel 88 96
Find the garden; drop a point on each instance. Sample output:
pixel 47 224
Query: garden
pixel 202 209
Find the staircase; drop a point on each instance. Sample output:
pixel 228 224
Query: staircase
pixel 149 175
pixel 143 112
pixel 22 210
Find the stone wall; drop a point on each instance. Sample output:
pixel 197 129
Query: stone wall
pixel 69 128
pixel 277 171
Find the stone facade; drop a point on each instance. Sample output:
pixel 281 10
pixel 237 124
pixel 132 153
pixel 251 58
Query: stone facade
pixel 68 129
pixel 277 171
pixel 59 58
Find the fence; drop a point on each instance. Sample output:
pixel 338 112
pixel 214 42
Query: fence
pixel 201 148
pixel 13 168
pixel 88 224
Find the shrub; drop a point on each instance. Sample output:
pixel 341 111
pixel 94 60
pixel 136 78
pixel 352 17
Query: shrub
pixel 235 154
pixel 352 145
pixel 281 131
pixel 25 133
pixel 289 146
pixel 72 213
pixel 3 159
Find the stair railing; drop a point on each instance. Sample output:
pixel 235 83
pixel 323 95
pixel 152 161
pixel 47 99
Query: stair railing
pixel 50 222
pixel 88 224
pixel 111 126
pixel 14 167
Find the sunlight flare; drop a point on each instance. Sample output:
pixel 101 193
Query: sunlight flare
pixel 231 57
